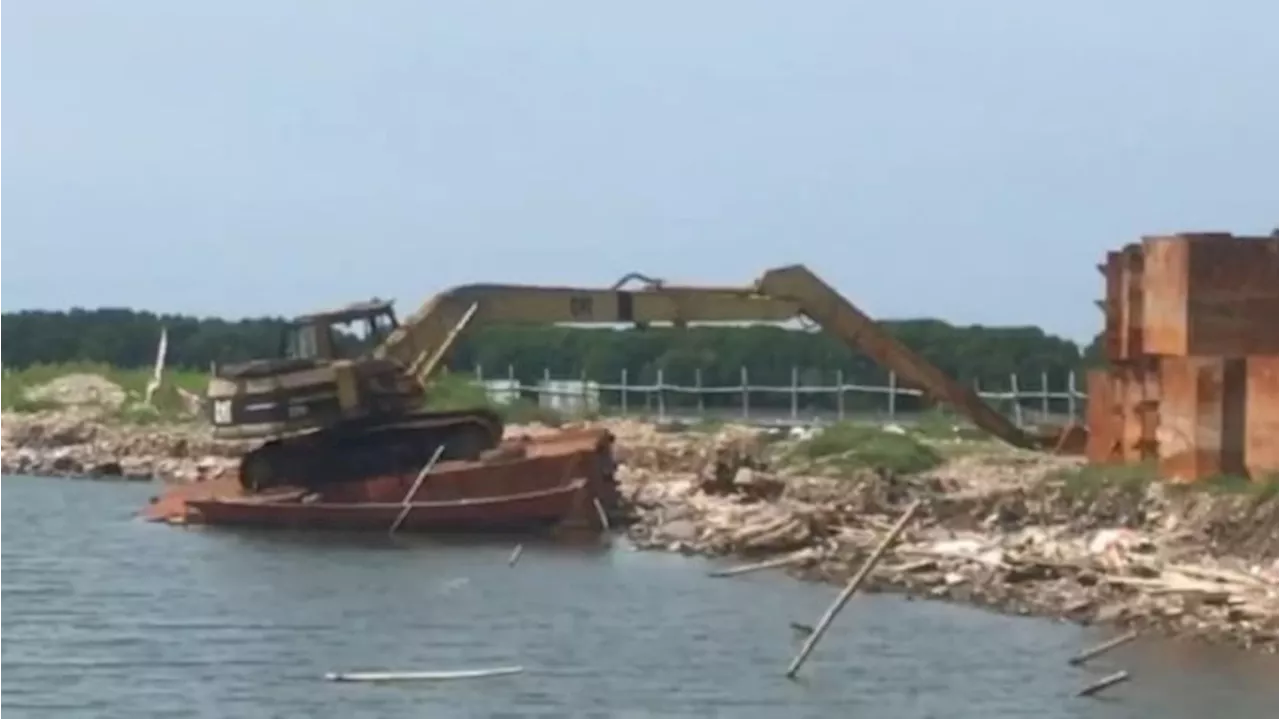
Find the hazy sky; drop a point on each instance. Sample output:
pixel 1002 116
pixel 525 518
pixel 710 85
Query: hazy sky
pixel 967 160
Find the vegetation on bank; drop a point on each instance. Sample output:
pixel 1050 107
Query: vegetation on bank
pixel 21 389
pixel 716 355
pixel 1087 483
pixel 848 445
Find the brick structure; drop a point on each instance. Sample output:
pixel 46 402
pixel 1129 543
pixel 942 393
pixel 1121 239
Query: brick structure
pixel 1191 344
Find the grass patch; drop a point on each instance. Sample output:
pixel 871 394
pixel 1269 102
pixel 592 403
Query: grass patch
pixel 858 446
pixel 1090 481
pixel 942 424
pixel 1262 489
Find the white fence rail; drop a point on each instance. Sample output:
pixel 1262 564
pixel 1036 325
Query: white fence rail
pixel 1024 402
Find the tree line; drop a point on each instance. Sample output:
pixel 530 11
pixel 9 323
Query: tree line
pixel 975 354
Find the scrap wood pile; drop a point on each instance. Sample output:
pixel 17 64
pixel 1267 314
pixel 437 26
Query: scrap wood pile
pixel 1017 544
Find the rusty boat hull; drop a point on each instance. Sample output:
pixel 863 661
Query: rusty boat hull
pixel 564 479
pixel 533 511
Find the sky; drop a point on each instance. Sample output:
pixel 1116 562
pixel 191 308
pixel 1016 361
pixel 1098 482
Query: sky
pixel 971 161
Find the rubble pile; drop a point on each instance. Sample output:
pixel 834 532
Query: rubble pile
pixel 87 443
pixel 997 528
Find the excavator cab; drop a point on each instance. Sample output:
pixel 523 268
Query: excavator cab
pixel 347 333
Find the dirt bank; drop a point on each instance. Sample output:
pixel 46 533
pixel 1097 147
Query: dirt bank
pixel 1015 531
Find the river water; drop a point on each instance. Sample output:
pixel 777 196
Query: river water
pixel 107 616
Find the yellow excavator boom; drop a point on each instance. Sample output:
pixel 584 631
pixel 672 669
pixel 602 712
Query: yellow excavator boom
pixel 423 341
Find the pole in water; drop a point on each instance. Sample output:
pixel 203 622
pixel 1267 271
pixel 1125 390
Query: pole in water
pixel 515 555
pixel 850 588
pixel 413 490
pixel 1107 646
pixel 1103 683
pixel 421 675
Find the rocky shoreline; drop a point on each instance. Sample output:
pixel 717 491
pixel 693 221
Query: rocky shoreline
pixel 998 528
pixel 88 443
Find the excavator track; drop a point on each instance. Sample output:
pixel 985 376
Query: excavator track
pixel 371 447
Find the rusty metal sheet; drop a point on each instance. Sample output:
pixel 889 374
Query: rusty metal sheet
pixel 1132 302
pixel 1232 296
pixel 1165 294
pixel 1260 451
pixel 1202 417
pixel 1103 419
pixel 1112 343
pixel 1138 391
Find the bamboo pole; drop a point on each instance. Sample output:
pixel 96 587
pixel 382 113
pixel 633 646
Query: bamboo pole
pixel 851 587
pixel 1107 646
pixel 408 497
pixel 515 555
pixel 421 676
pixel 1103 683
pixel 785 560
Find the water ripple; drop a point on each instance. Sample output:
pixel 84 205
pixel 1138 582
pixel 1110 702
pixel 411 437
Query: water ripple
pixel 106 616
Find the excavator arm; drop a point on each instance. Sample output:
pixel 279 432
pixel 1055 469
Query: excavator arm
pixel 423 341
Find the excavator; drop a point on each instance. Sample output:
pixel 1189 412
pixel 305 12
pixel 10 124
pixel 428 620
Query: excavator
pixel 346 397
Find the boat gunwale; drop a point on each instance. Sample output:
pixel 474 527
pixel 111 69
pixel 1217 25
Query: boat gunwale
pixel 570 487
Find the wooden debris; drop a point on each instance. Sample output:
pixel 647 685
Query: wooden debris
pixel 800 557
pixel 1103 683
pixel 1103 648
pixel 515 555
pixel 421 675
pixel 417 482
pixel 851 587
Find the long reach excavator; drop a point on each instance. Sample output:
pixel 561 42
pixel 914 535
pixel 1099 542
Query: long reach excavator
pixel 341 404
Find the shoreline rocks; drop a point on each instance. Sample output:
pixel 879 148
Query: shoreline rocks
pixel 85 443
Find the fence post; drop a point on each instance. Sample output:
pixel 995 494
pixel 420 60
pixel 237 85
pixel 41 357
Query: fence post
pixel 1044 396
pixel 697 383
pixel 622 391
pixel 1071 394
pixel 545 395
pixel 839 395
pixel 1017 404
pixel 479 373
pixel 582 389
pixel 514 390
pixel 746 394
pixel 893 395
pixel 795 393
pixel 662 401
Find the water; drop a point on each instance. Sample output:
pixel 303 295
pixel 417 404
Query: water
pixel 108 616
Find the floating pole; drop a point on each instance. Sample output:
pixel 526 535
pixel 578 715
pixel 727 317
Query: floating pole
pixel 851 587
pixel 601 515
pixel 421 676
pixel 1107 646
pixel 515 555
pixel 786 560
pixel 1103 683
